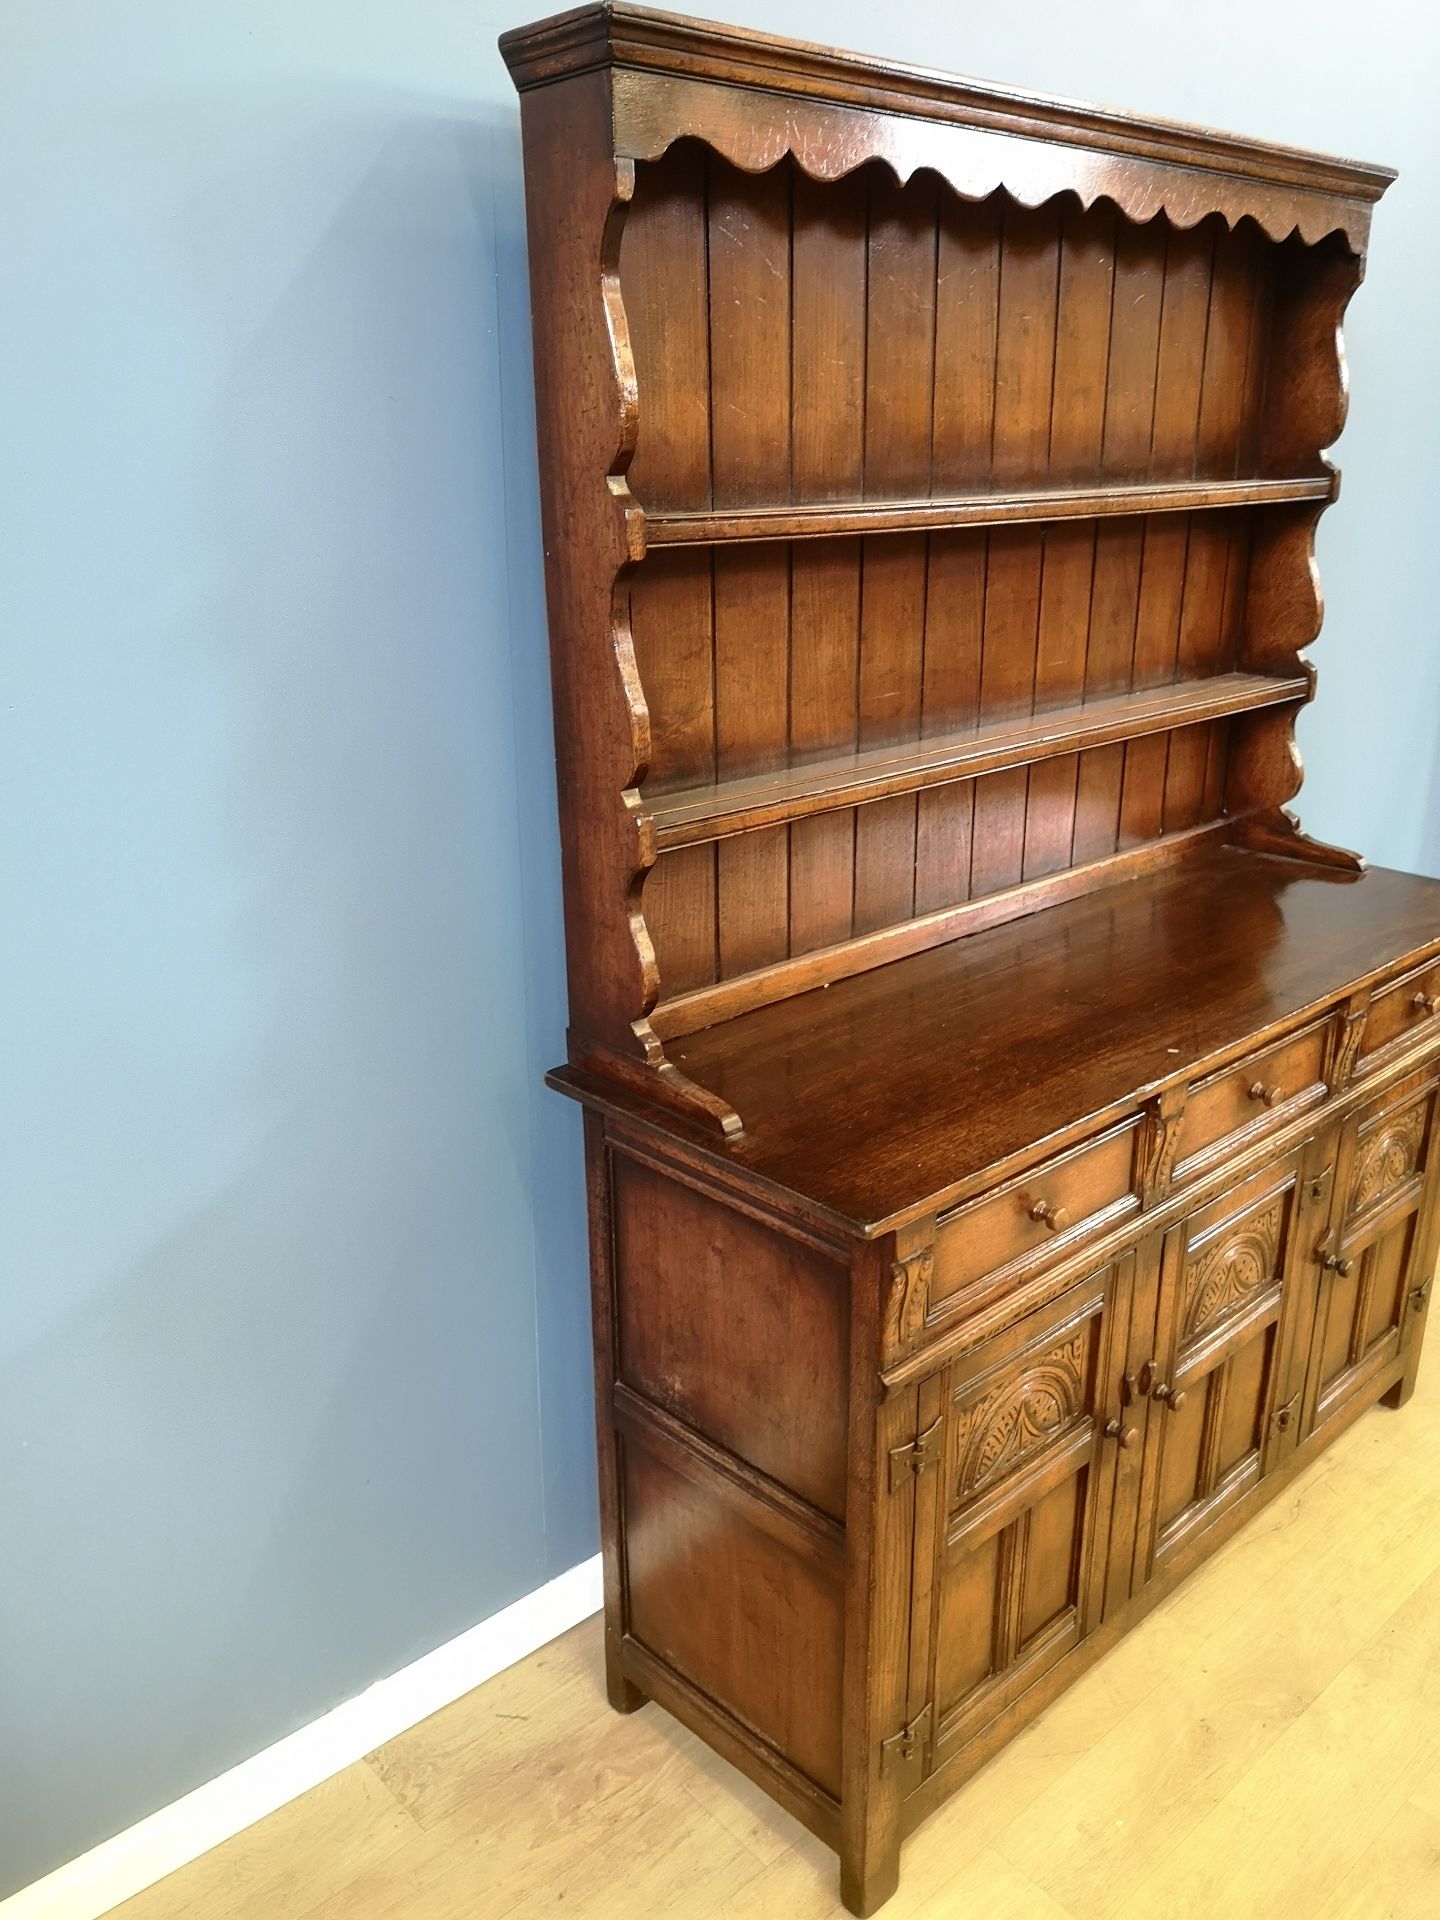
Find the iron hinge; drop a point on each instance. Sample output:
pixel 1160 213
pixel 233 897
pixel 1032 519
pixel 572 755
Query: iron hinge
pixel 916 1455
pixel 906 1745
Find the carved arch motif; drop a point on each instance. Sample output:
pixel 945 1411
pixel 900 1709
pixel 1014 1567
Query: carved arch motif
pixel 1022 1414
pixel 1232 1268
pixel 1388 1158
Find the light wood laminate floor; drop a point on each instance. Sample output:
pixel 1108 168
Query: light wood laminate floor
pixel 1267 1743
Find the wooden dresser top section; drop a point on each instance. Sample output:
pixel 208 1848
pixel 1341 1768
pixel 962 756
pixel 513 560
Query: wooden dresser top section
pixel 670 75
pixel 901 1089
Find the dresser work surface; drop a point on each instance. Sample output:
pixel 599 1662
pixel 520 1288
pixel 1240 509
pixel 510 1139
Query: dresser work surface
pixel 1011 1141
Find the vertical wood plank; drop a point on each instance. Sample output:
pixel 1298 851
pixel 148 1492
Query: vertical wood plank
pixel 1082 343
pixel 663 274
pixel 749 233
pixel 950 700
pixel 827 408
pixel 1025 348
pixel 1135 319
pixel 1227 352
pixel 679 904
pixel 1025 361
pixel 1259 345
pixel 672 625
pixel 1184 317
pixel 1134 348
pixel 1077 427
pixel 749 227
pixel 967 305
pixel 827 345
pixel 1201 652
pixel 1012 617
pixel 899 385
pixel 825 638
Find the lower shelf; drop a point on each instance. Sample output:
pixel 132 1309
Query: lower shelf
pixel 692 815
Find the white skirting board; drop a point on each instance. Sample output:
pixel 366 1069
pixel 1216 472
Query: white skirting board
pixel 157 1845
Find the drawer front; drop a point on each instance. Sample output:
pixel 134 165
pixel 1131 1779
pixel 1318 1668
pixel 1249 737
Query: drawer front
pixel 1404 1010
pixel 1048 1210
pixel 1255 1092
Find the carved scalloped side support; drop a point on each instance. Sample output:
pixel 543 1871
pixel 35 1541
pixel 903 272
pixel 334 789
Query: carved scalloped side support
pixel 587 417
pixel 755 129
pixel 1305 413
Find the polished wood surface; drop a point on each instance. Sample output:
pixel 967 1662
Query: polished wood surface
pixel 1274 1695
pixel 1011 1139
pixel 893 1091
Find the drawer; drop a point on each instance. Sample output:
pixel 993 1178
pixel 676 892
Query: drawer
pixel 1255 1091
pixel 1403 1010
pixel 1050 1209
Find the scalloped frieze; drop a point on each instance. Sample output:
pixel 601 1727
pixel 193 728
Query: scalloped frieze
pixel 1232 1268
pixel 755 129
pixel 1022 1414
pixel 1389 1158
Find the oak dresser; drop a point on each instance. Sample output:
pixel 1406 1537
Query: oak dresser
pixel 1010 1138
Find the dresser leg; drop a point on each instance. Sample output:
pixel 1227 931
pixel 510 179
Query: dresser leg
pixel 1403 1387
pixel 622 1693
pixel 869 1877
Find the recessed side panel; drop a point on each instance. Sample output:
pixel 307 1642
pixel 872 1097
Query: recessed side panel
pixel 755 1623
pixel 738 1330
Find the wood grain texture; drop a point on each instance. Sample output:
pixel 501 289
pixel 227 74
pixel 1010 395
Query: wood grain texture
pixel 1284 1645
pixel 1014 1033
pixel 1010 1136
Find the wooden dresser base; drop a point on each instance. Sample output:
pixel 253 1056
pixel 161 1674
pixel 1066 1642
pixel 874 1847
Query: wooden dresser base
pixel 856 1566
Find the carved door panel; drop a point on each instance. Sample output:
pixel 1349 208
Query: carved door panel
pixel 1373 1265
pixel 1032 1422
pixel 1222 1394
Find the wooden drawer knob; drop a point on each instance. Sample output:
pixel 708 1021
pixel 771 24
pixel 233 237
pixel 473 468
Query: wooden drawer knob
pixel 1336 1263
pixel 1171 1398
pixel 1426 1002
pixel 1122 1435
pixel 1267 1092
pixel 1420 1296
pixel 1053 1217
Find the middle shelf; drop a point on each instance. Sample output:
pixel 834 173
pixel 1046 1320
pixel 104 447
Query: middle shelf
pixel 834 519
pixel 691 815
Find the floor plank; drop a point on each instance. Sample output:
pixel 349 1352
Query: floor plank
pixel 1268 1741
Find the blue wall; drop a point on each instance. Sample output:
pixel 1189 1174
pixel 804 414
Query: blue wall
pixel 293 1342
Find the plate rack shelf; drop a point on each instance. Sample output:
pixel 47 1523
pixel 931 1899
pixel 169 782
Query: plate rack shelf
pixel 1011 1140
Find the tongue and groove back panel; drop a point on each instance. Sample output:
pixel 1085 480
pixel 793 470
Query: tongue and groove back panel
pixel 812 344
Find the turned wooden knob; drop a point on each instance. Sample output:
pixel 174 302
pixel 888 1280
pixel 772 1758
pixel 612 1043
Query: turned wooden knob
pixel 1053 1217
pixel 1172 1399
pixel 1426 1003
pixel 1420 1296
pixel 1335 1263
pixel 1266 1092
pixel 1124 1436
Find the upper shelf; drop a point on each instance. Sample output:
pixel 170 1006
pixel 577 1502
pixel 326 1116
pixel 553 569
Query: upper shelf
pixel 695 814
pixel 833 519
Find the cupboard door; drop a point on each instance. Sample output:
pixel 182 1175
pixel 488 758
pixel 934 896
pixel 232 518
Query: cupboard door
pixel 1222 1393
pixel 1032 1424
pixel 1375 1261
